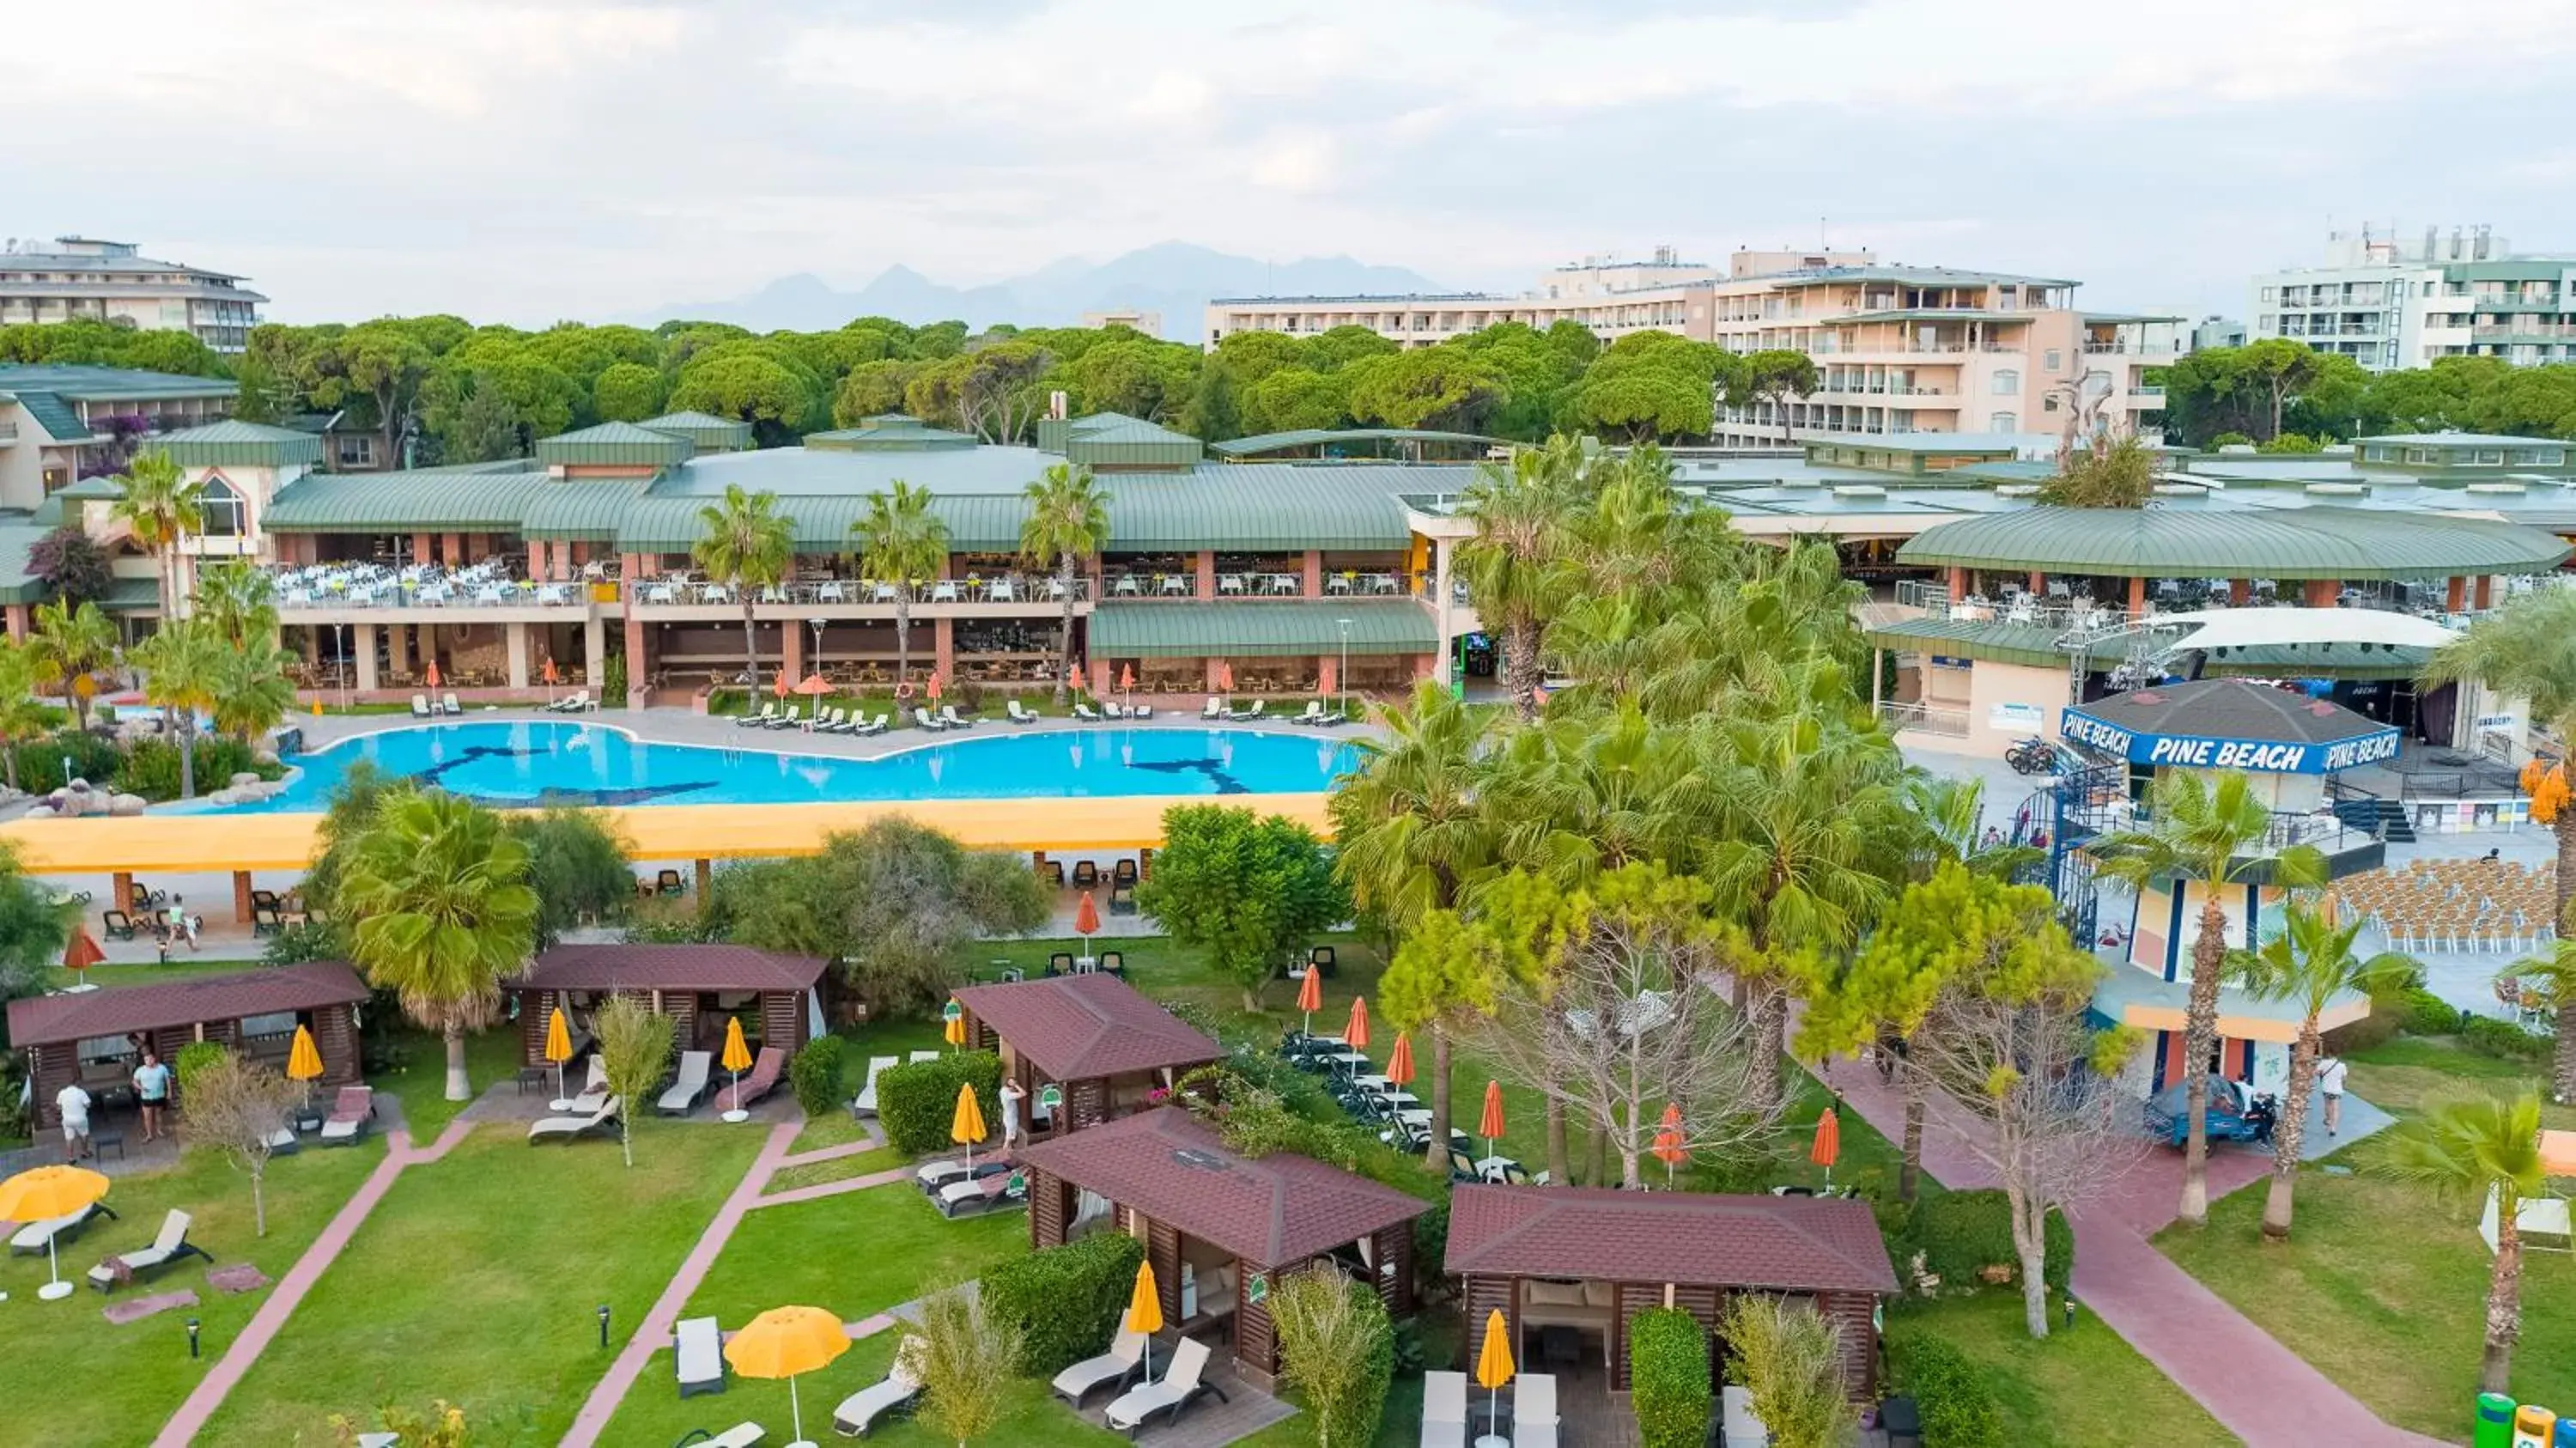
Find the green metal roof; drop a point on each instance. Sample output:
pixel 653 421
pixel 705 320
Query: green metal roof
pixel 239 444
pixel 58 418
pixel 17 536
pixel 708 431
pixel 2460 439
pixel 404 502
pixel 581 510
pixel 1115 440
pixel 614 444
pixel 890 431
pixel 2191 542
pixel 1269 442
pixel 2035 646
pixel 99 489
pixel 1260 629
pixel 109 384
pixel 129 595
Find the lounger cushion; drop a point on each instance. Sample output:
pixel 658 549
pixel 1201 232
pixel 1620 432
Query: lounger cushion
pixel 1175 1388
pixel 740 1435
pixel 1126 1353
pixel 698 1356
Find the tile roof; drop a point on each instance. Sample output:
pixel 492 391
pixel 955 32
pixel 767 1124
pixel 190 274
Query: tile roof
pixel 48 1020
pixel 668 967
pixel 1076 1027
pixel 1272 1211
pixel 1794 1244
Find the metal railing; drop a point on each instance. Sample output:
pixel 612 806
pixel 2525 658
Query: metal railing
pixel 678 591
pixel 1925 719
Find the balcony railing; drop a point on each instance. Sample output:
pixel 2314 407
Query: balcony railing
pixel 1925 719
pixel 490 584
pixel 2099 349
pixel 682 591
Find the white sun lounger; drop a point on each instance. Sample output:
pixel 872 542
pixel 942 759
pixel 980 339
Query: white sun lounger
pixel 1171 1395
pixel 927 720
pixel 35 1237
pixel 570 1128
pixel 874 726
pixel 691 1084
pixel 697 1353
pixel 1215 708
pixel 740 1435
pixel 420 706
pixel 594 1090
pixel 920 1056
pixel 169 1247
pixel 894 1395
pixel 949 716
pixel 1018 714
pixel 866 1103
pixel 1086 714
pixel 1116 1367
pixel 1444 1410
pixel 1534 1420
pixel 448 701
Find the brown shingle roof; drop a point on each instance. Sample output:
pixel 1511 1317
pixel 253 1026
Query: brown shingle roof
pixel 50 1020
pixel 1798 1244
pixel 1076 1027
pixel 1272 1212
pixel 668 967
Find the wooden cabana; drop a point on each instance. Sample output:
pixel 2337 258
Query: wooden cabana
pixel 1570 1267
pixel 97 1037
pixel 1219 1228
pixel 700 985
pixel 1106 1048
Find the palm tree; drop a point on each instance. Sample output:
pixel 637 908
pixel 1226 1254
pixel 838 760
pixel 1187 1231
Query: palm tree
pixel 252 691
pixel 1952 812
pixel 184 665
pixel 902 542
pixel 159 506
pixel 22 718
pixel 239 600
pixel 2308 964
pixel 1410 835
pixel 2212 832
pixel 2473 1150
pixel 439 891
pixel 1519 513
pixel 71 644
pixel 2551 980
pixel 1068 521
pixel 745 546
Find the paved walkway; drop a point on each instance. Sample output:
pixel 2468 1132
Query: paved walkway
pixel 2256 1388
pixel 183 1427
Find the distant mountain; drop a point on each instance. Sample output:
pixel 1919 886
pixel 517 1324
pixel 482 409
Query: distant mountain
pixel 1173 278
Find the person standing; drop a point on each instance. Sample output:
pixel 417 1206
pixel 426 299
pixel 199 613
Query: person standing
pixel 1013 1093
pixel 152 1092
pixel 72 1104
pixel 2330 1074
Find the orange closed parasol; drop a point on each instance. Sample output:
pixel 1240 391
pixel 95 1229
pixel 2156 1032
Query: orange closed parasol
pixel 1225 678
pixel 1086 916
pixel 1126 677
pixel 431 673
pixel 1357 1031
pixel 1073 677
pixel 551 675
pixel 933 689
pixel 1399 1062
pixel 1310 996
pixel 83 952
pixel 1490 1125
pixel 780 684
pixel 1829 1143
pixel 1668 1142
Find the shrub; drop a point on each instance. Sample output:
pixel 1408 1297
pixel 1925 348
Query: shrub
pixel 1958 1408
pixel 151 769
pixel 1961 1232
pixel 193 1057
pixel 2422 1013
pixel 612 681
pixel 1338 1348
pixel 1064 1300
pixel 1668 1376
pixel 1430 1252
pixel 815 1075
pixel 297 944
pixel 916 1102
pixel 2503 1039
pixel 40 765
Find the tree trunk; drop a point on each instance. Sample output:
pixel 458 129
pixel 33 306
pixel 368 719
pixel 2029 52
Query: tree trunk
pixel 2200 1035
pixel 1522 673
pixel 1768 1005
pixel 2030 1243
pixel 258 1207
pixel 188 759
pixel 2287 1133
pixel 1909 1177
pixel 902 633
pixel 2504 1302
pixel 1438 1152
pixel 1596 1172
pixel 13 765
pixel 1560 1167
pixel 1064 642
pixel 457 1087
pixel 751 650
pixel 1630 1164
pixel 626 1135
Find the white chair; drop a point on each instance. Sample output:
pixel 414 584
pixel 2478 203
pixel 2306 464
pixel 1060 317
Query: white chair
pixel 866 1102
pixel 688 1086
pixel 1444 1410
pixel 944 591
pixel 1001 592
pixel 1534 1420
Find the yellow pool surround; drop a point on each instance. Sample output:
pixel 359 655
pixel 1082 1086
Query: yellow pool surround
pixel 178 843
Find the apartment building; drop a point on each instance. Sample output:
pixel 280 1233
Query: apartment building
pixel 73 277
pixel 1612 297
pixel 2389 301
pixel 53 416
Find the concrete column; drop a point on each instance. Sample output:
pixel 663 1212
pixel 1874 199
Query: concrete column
pixel 1443 599
pixel 514 638
pixel 398 647
pixel 631 564
pixel 1958 584
pixel 594 652
pixel 2455 596
pixel 570 558
pixel 943 648
pixel 2137 596
pixel 1101 679
pixel 1314 582
pixel 451 548
pixel 362 639
pixel 2038 581
pixel 120 890
pixel 1214 664
pixel 1207 573
pixel 639 669
pixel 2486 591
pixel 791 649
pixel 537 559
pixel 2240 591
pixel 17 620
pixel 1328 678
pixel 2321 592
pixel 241 897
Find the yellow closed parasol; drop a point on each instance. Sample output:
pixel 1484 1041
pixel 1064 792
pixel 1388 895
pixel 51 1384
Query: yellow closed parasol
pixel 967 1127
pixel 1145 1312
pixel 1494 1360
pixel 737 1059
pixel 558 1051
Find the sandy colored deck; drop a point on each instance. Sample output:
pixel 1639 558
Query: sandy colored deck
pixel 210 842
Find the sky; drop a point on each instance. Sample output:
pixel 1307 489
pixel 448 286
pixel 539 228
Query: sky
pixel 532 160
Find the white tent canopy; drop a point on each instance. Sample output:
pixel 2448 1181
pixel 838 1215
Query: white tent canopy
pixel 2237 628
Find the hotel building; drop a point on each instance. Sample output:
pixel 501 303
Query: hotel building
pixel 2391 302
pixel 77 277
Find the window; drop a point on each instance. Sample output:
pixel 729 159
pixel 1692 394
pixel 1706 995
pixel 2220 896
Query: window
pixel 2053 359
pixel 2380 453
pixel 2489 457
pixel 2007 422
pixel 2267 325
pixel 2048 403
pixel 2007 383
pixel 2420 456
pixel 280 1023
pixel 2268 293
pixel 220 509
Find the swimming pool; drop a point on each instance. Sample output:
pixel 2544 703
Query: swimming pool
pixel 532 762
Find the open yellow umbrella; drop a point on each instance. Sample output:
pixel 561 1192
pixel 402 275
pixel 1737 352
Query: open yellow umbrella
pixel 967 1127
pixel 42 1194
pixel 737 1059
pixel 785 1342
pixel 1494 1360
pixel 1145 1312
pixel 559 1050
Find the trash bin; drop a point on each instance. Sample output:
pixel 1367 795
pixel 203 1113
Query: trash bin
pixel 2566 1434
pixel 2533 1426
pixel 1903 1423
pixel 2495 1422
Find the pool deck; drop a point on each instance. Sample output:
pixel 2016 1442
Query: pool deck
pixel 193 844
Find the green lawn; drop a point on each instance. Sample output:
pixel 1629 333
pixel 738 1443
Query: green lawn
pixel 477 1277
pixel 839 1168
pixel 2399 1074
pixel 183 967
pixel 855 1254
pixel 131 1378
pixel 2082 1387
pixel 897 1036
pixel 420 1081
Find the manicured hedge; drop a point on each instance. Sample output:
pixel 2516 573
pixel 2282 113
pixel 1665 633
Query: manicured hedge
pixel 1951 1393
pixel 1064 1300
pixel 917 1102
pixel 815 1076
pixel 2490 1037
pixel 1668 1377
pixel 1960 1232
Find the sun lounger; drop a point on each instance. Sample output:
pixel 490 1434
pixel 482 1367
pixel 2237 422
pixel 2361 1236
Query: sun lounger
pixel 985 1192
pixel 117 924
pixel 1215 708
pixel 879 1402
pixel 1171 1396
pixel 787 718
pixel 866 1102
pixel 1053 873
pixel 448 702
pixel 697 1354
pixel 1086 874
pixel 420 706
pixel 167 1248
pixel 762 1080
pixel 843 722
pixel 1118 1367
pixel 1246 716
pixel 1109 710
pixel 1017 714
pixel 927 720
pixel 1314 713
pixel 931 1176
pixel 350 1113
pixel 759 720
pixel 668 882
pixel 1086 714
pixel 1534 1420
pixel 949 716
pixel 572 703
pixel 874 726
pixel 1141 711
pixel 33 1238
pixel 569 1128
pixel 594 1089
pixel 691 1084
pixel 1444 1410
pixel 740 1435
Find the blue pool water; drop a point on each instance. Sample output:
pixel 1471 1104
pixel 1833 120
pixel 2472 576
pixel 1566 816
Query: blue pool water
pixel 538 762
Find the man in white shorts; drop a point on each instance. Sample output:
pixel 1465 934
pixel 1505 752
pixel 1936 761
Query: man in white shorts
pixel 72 1103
